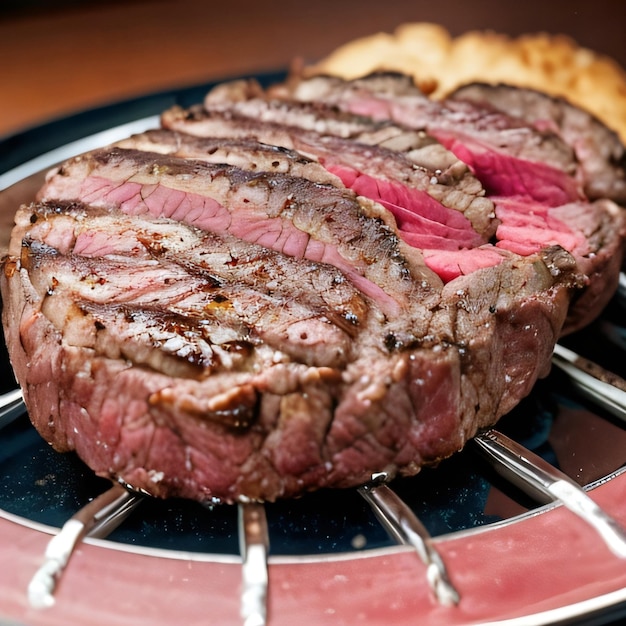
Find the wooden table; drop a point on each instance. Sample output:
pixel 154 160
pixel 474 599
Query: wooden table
pixel 77 55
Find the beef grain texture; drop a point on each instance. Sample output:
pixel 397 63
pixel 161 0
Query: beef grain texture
pixel 600 152
pixel 257 307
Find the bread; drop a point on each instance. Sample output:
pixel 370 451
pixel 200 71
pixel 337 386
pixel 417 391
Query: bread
pixel 439 63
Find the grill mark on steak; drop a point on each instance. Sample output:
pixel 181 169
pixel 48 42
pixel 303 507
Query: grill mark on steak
pixel 452 187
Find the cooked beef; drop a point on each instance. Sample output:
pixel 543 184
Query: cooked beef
pixel 508 156
pixel 244 314
pixel 525 222
pixel 599 150
pixel 354 147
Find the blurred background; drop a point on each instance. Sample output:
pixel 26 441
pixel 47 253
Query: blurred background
pixel 57 58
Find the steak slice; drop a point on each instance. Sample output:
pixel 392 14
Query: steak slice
pixel 376 173
pixel 509 156
pixel 599 149
pixel 354 147
pixel 593 232
pixel 224 334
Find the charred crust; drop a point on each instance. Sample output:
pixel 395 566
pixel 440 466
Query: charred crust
pixel 392 343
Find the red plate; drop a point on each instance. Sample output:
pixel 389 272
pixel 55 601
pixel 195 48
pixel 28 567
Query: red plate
pixel 540 568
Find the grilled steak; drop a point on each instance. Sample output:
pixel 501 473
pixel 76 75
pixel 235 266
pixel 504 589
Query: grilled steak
pixel 252 306
pixel 496 127
pixel 528 177
pixel 598 148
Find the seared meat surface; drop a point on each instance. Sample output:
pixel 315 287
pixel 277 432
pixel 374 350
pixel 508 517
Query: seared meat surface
pixel 269 296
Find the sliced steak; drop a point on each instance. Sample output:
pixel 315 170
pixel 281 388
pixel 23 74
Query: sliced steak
pixel 220 333
pixel 599 150
pixel 272 295
pixel 508 156
pixel 355 148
